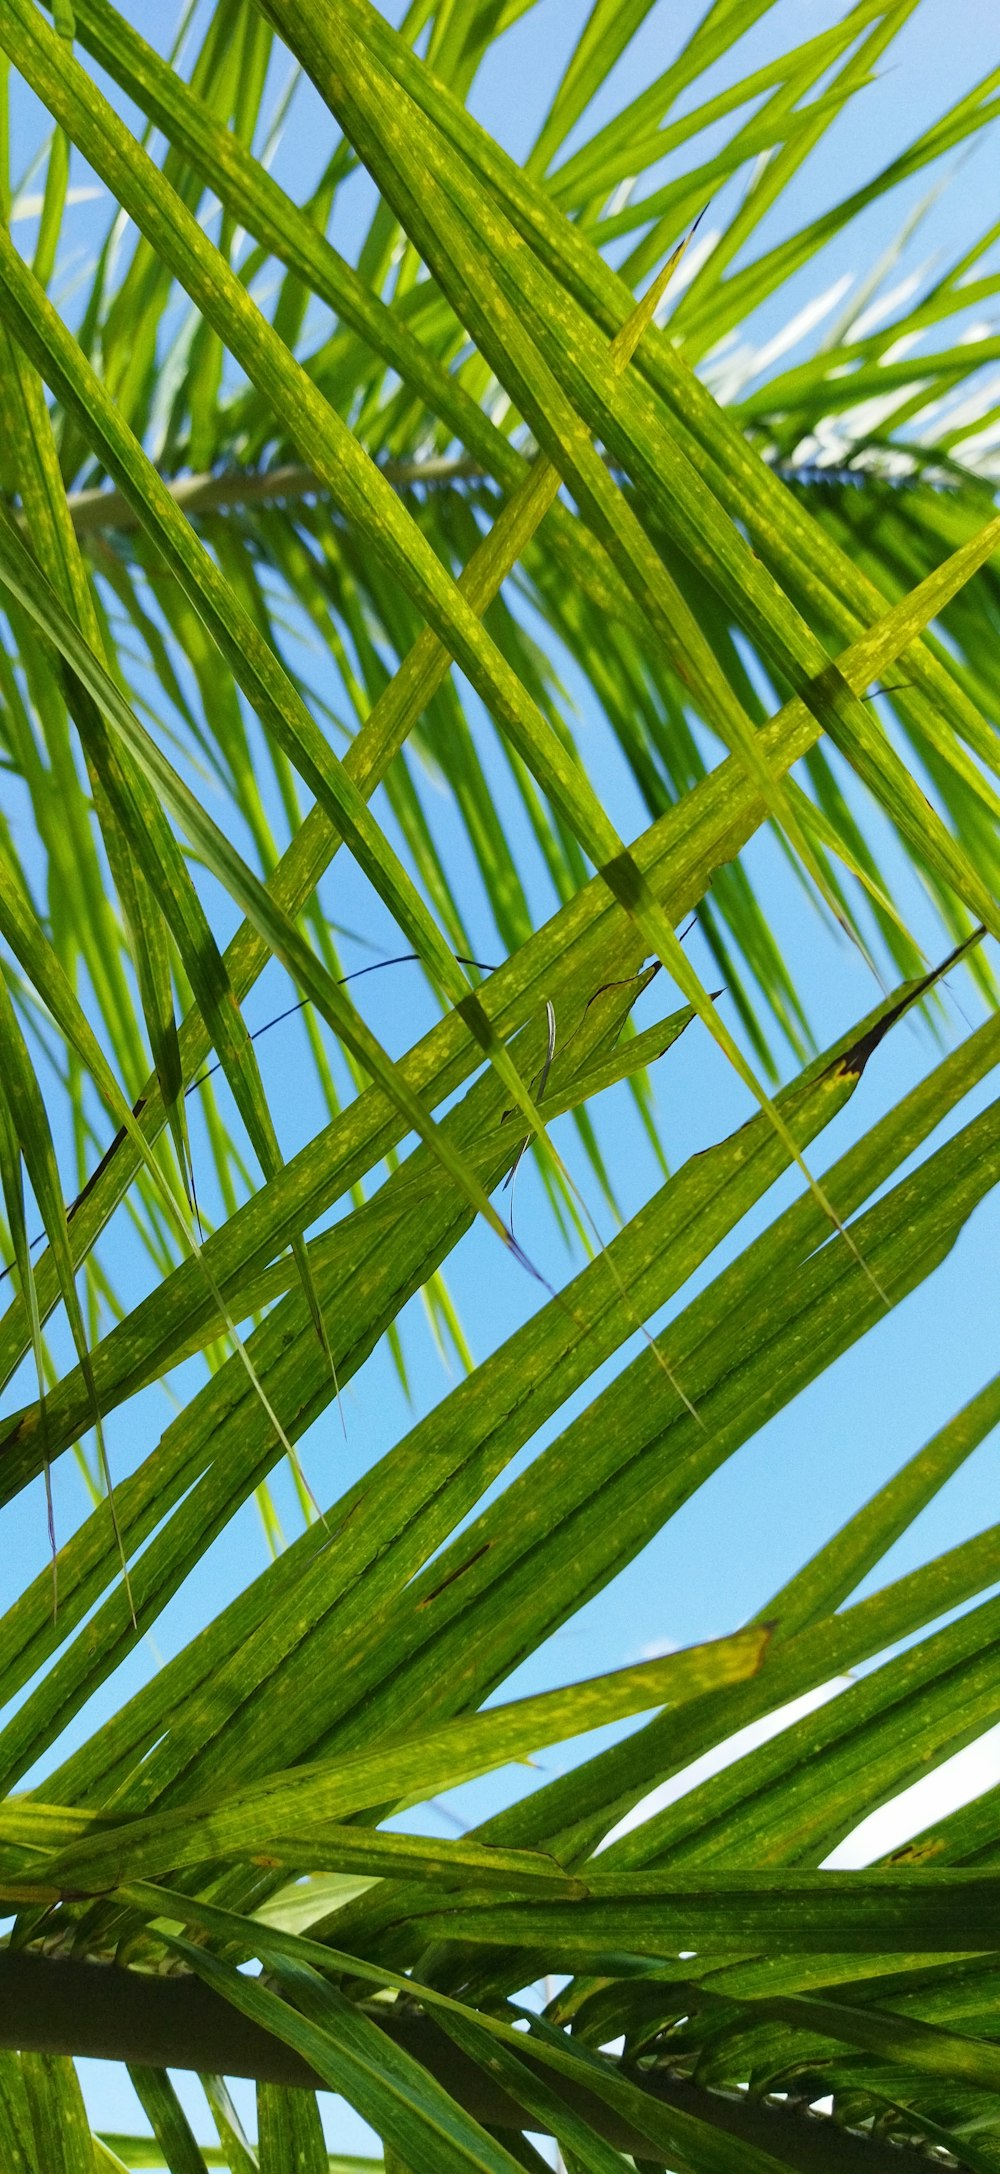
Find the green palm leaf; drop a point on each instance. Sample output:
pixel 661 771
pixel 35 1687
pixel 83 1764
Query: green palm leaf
pixel 410 555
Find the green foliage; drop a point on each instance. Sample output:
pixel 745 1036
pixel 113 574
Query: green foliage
pixel 259 503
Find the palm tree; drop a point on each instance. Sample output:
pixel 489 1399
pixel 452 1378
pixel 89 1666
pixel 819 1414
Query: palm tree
pixel 302 554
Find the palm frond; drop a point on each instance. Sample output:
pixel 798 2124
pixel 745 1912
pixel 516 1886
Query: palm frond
pixel 413 555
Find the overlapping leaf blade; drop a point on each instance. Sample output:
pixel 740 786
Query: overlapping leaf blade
pixel 241 422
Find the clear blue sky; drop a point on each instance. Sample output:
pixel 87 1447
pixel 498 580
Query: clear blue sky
pixel 787 1490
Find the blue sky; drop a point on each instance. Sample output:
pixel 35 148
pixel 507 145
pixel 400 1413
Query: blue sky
pixel 750 1527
